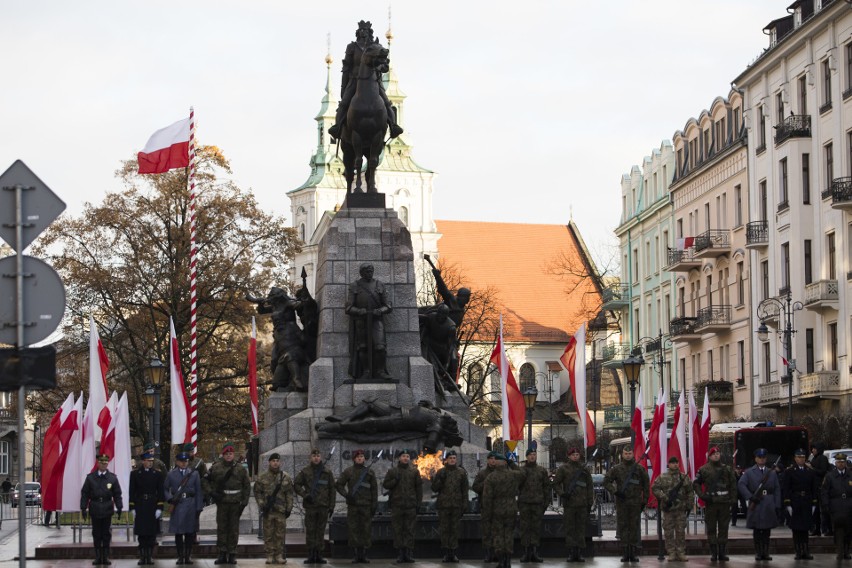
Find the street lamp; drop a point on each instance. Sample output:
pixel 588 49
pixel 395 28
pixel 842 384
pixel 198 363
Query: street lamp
pixel 530 394
pixel 36 429
pixel 155 373
pixel 771 307
pixel 658 346
pixel 632 367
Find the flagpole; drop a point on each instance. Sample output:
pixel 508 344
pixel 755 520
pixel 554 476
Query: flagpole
pixel 193 288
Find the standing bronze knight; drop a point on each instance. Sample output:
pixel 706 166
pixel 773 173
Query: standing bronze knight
pixel 367 304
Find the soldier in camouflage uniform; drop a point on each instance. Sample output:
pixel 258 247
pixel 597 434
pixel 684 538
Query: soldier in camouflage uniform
pixel 716 485
pixel 406 493
pixel 150 448
pixel 500 503
pixel 358 486
pixel 628 482
pixel 451 485
pixel 532 502
pixel 229 485
pixel 478 487
pixel 573 483
pixel 273 492
pixel 674 494
pixel 315 485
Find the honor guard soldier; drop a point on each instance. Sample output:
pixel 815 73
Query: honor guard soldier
pixel 229 485
pixel 760 487
pixel 195 463
pixel 573 483
pixel 101 498
pixel 405 489
pixel 273 492
pixel 836 498
pixel 716 485
pixel 185 501
pixel 451 485
pixel 315 485
pixel 358 486
pixel 151 448
pixel 628 482
pixel 146 506
pixel 673 491
pixel 800 492
pixel 532 502
pixel 478 487
pixel 500 503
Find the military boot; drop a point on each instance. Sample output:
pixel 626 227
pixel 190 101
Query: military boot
pixel 578 554
pixel 409 556
pixel 534 557
pixel 364 559
pixel 401 558
pixel 105 555
pixel 766 545
pixel 232 558
pixel 526 555
pixel 318 559
pixel 187 552
pixel 755 539
pixel 270 558
pixel 806 551
pixel 489 555
pixel 141 555
pixel 451 555
pixel 97 559
pixel 310 557
pixel 180 559
pixel 570 554
pixel 356 557
pixel 797 546
pixel 626 557
pixel 723 552
pixel 714 552
pixel 634 553
pixel 222 558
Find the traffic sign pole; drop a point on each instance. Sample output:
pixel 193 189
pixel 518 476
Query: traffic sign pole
pixel 22 395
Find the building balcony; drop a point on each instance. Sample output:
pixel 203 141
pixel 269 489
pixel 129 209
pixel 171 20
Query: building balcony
pixel 684 329
pixel 821 295
pixel 682 260
pixel 774 393
pixel 617 416
pixel 712 243
pixel 757 234
pixel 616 297
pixel 794 126
pixel 714 319
pixel 841 193
pixel 719 393
pixel 823 384
pixel 614 353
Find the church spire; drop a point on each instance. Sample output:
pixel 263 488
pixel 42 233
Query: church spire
pixel 391 81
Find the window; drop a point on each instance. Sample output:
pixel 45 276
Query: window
pixel 782 180
pixel 740 284
pixel 741 360
pixel 4 457
pixel 803 95
pixel 680 160
pixel 302 231
pixel 763 200
pixel 527 375
pixel 808 262
pixel 826 84
pixel 737 120
pixel 496 386
pixel 806 179
pixel 710 370
pixel 828 152
pixel 761 133
pixel 764 275
pixel 707 143
pixel 738 205
pixel 647 259
pixel 832 346
pixel 403 215
pixel 849 66
pixel 681 301
pixel 809 350
pixel 767 362
pixel 779 108
pixel 785 265
pixel 635 264
pixel 832 257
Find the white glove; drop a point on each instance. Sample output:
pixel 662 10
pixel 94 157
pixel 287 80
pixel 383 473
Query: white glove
pixel 813 509
pixel 157 514
pixel 133 512
pixel 790 510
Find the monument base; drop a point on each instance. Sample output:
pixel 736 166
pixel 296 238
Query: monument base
pixel 364 201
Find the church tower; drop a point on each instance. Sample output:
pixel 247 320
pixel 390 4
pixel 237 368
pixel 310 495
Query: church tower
pixel 406 184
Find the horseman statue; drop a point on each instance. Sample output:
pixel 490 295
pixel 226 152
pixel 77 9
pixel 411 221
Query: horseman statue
pixel 364 112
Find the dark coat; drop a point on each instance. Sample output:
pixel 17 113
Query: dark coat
pixel 101 495
pixel 146 498
pixel 763 514
pixel 187 501
pixel 800 490
pixel 836 494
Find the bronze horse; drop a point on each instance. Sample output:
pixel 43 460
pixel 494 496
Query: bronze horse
pixel 363 134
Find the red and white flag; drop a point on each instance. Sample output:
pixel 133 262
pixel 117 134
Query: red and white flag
pixel 51 453
pixel 166 149
pixel 637 424
pixel 574 361
pixel 87 442
pixel 252 376
pixel 512 401
pixel 690 426
pixel 98 392
pixel 701 435
pixel 180 404
pixel 658 440
pixel 677 443
pixel 120 463
pixel 108 439
pixel 73 474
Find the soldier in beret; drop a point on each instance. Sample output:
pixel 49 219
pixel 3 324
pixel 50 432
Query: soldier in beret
pixel 573 483
pixel 185 501
pixel 673 491
pixel 357 484
pixel 315 485
pixel 716 485
pixel 628 482
pixel 273 492
pixel 101 497
pixel 451 484
pixel 532 502
pixel 836 498
pixel 500 503
pixel 760 487
pixel 478 487
pixel 146 505
pixel 800 492
pixel 405 489
pixel 229 485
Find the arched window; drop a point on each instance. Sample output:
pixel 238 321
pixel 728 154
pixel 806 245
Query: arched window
pixel 302 231
pixel 403 215
pixel 527 376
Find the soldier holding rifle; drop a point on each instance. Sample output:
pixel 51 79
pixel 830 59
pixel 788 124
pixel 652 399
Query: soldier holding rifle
pixel 674 497
pixel 358 485
pixel 315 485
pixel 573 483
pixel 836 499
pixel 628 482
pixel 273 492
pixel 760 487
pixel 716 485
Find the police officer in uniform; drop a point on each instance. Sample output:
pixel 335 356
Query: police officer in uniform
pixel 273 492
pixel 358 486
pixel 478 487
pixel 573 483
pixel 628 482
pixel 451 484
pixel 183 493
pixel 836 498
pixel 716 485
pixel 101 497
pixel 315 485
pixel 146 505
pixel 673 491
pixel 760 487
pixel 800 492
pixel 532 502
pixel 229 485
pixel 405 489
pixel 500 503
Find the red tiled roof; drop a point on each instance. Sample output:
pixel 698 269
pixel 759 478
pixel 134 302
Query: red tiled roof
pixel 514 258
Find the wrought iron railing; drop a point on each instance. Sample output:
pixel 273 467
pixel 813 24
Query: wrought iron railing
pixel 615 351
pixel 683 326
pixel 617 414
pixel 794 126
pixel 676 256
pixel 821 291
pixel 717 391
pixel 714 238
pixel 616 293
pixel 757 232
pixel 714 315
pixel 841 190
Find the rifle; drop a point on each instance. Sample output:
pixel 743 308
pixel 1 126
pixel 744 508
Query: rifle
pixel 671 498
pixel 620 494
pixel 573 485
pixel 754 499
pixel 317 476
pixel 361 479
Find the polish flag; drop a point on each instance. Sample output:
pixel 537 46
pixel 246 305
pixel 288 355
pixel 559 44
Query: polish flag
pixel 73 474
pixel 167 149
pixel 690 426
pixel 121 456
pixel 180 404
pixel 252 376
pixel 657 441
pixel 677 443
pixel 51 470
pixel 88 462
pixel 574 361
pixel 108 439
pixel 98 392
pixel 701 435
pixel 637 424
pixel 512 400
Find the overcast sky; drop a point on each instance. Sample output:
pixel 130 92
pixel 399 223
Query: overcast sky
pixel 525 110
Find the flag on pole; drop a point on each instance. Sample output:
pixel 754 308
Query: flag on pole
pixel 120 463
pixel 108 439
pixel 701 435
pixel 87 451
pixel 657 440
pixel 637 424
pixel 98 391
pixel 72 472
pixel 252 376
pixel 690 426
pixel 51 470
pixel 677 443
pixel 166 149
pixel 180 405
pixel 574 361
pixel 511 398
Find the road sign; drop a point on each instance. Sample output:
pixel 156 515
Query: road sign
pixel 40 205
pixel 44 300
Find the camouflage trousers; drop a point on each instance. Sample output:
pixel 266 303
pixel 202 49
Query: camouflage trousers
pixel 628 518
pixel 449 525
pixel 503 533
pixel 717 519
pixel 485 523
pixel 360 522
pixel 316 519
pixel 228 526
pixel 674 529
pixel 274 532
pixel 403 521
pixel 574 521
pixel 532 518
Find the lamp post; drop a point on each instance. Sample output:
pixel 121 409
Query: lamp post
pixel 530 394
pixel 786 307
pixel 36 429
pixel 647 345
pixel 155 373
pixel 548 380
pixel 632 367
